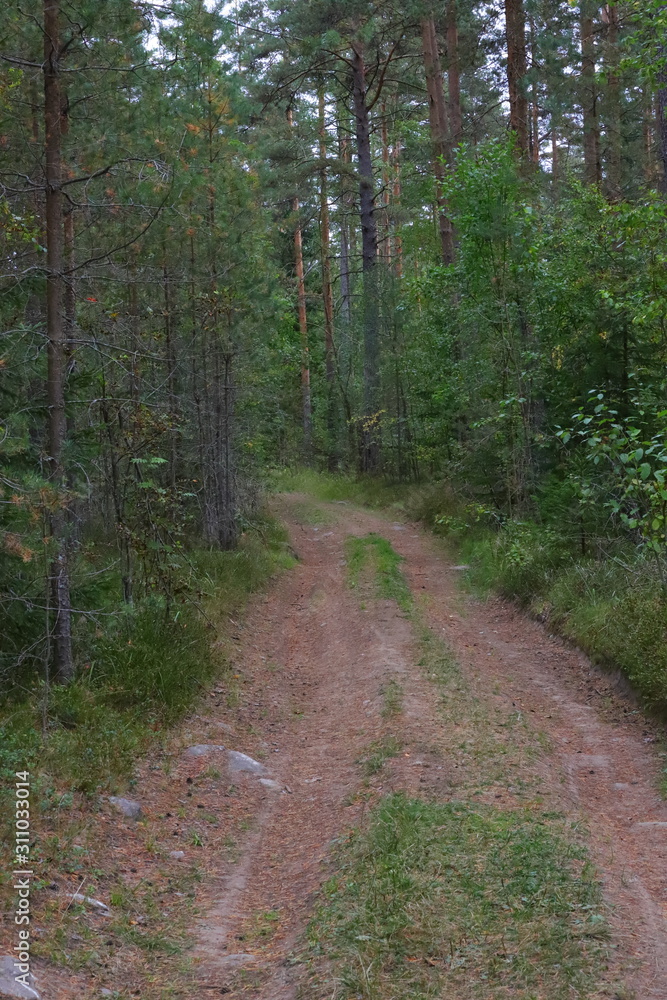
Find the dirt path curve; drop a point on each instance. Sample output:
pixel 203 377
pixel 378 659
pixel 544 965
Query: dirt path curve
pixel 315 662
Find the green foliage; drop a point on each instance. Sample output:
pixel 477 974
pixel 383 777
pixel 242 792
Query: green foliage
pixel 151 660
pixel 631 483
pixel 141 669
pixel 434 898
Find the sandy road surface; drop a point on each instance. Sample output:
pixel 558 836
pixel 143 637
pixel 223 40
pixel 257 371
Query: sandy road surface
pixel 317 660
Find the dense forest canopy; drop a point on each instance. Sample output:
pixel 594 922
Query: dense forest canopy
pixel 416 241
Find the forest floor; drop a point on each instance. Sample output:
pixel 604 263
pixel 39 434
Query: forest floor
pixel 340 699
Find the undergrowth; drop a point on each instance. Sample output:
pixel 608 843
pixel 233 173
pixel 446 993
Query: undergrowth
pixel 331 487
pixel 140 669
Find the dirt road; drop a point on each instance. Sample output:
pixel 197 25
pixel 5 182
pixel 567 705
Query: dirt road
pixel 316 660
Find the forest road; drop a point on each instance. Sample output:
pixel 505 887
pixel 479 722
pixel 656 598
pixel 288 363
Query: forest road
pixel 316 660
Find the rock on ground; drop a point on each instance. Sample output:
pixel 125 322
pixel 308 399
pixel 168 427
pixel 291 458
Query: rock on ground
pixel 202 749
pixel 8 984
pixel 241 762
pixel 126 806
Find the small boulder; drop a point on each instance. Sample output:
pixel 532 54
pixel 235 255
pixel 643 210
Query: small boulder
pixel 270 783
pixel 127 807
pixel 203 749
pixel 241 762
pixel 237 960
pixel 177 854
pixel 9 986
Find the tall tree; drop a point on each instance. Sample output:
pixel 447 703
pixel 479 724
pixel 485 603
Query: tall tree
pixel 592 164
pixel 56 339
pixel 440 132
pixel 515 35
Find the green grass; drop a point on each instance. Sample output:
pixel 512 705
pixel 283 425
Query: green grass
pixel 392 698
pixel 436 900
pixel 373 558
pixel 140 669
pixel 378 753
pixel 371 492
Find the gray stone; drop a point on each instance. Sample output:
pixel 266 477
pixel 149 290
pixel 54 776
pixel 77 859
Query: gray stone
pixel 9 987
pixel 655 824
pixel 126 806
pixel 238 960
pixel 203 749
pixel 97 904
pixel 177 854
pixel 270 783
pixel 241 762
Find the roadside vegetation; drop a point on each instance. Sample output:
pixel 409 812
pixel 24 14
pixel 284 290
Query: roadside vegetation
pixel 139 673
pixel 145 669
pixel 581 575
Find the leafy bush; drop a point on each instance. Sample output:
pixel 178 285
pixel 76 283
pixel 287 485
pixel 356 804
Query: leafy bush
pixel 151 661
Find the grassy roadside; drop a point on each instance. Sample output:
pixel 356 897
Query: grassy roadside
pixel 611 602
pixel 145 667
pixel 147 672
pixel 467 898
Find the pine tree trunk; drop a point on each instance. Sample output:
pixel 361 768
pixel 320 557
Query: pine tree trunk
pixel 662 128
pixel 345 201
pixel 535 103
pixel 396 198
pixel 306 404
pixel 228 525
pixel 371 426
pixel 172 372
pixel 57 341
pixel 613 103
pixel 439 132
pixel 384 241
pixel 453 75
pixel 647 136
pixel 327 291
pixel 515 28
pixel 592 169
pixel 554 156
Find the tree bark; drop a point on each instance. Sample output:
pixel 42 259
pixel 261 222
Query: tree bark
pixel 346 199
pixel 384 241
pixel 662 127
pixel 554 156
pixel 327 290
pixel 228 526
pixel 396 198
pixel 535 103
pixel 592 168
pixel 57 342
pixel 306 403
pixel 172 369
pixel 371 420
pixel 613 103
pixel 454 75
pixel 515 29
pixel 302 316
pixel 439 132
